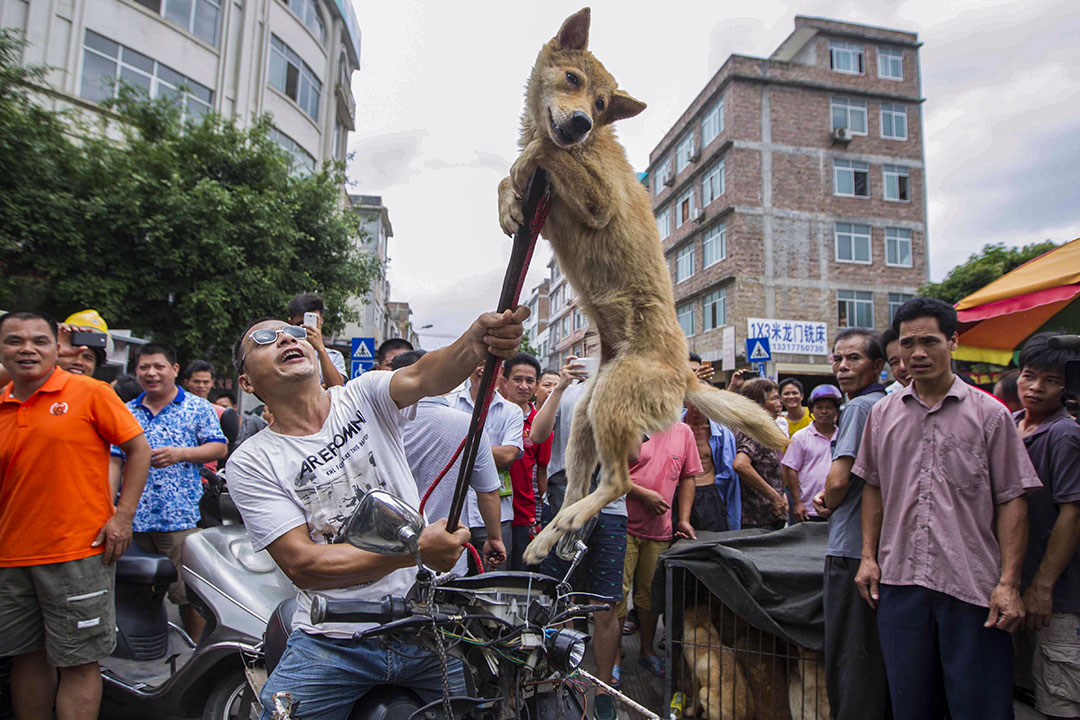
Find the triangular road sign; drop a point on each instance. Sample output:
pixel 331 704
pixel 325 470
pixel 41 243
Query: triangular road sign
pixel 362 352
pixel 758 353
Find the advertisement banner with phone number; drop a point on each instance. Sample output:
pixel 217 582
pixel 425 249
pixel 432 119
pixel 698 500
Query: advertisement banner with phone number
pixel 796 337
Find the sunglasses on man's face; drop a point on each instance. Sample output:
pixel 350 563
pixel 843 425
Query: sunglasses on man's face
pixel 268 336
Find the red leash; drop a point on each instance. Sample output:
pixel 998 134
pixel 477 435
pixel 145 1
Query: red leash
pixel 536 207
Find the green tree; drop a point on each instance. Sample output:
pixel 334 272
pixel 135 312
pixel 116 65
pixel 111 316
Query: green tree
pixel 528 347
pixel 183 231
pixel 982 268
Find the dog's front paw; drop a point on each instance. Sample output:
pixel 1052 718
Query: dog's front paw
pixel 511 214
pixel 523 168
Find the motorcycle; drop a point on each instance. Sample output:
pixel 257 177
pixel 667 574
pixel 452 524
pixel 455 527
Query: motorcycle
pixel 510 630
pixel 156 666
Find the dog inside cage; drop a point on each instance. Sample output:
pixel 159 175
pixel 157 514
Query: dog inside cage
pixel 728 669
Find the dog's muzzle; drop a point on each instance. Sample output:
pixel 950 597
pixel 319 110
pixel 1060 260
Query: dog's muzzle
pixel 574 129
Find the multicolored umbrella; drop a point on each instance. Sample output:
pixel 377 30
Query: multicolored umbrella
pixel 1041 294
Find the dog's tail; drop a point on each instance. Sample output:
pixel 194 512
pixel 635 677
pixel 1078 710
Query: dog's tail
pixel 736 413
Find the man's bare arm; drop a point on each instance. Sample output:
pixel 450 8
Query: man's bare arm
pixel 505 455
pixel 1011 525
pixel 791 482
pixel 323 567
pixel 442 370
pixel 838 481
pixel 868 578
pixel 1060 550
pixel 115 534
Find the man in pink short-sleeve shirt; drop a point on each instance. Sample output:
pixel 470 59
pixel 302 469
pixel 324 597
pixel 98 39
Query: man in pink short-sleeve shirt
pixel 944 526
pixel 808 457
pixel 668 463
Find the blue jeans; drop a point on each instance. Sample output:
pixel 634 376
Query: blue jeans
pixel 328 675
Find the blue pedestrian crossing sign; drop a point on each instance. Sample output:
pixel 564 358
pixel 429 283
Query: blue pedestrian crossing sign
pixel 757 350
pixel 361 356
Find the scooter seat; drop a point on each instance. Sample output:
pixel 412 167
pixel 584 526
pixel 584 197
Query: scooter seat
pixel 277 632
pixel 144 568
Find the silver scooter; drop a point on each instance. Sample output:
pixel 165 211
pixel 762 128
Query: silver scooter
pixel 157 667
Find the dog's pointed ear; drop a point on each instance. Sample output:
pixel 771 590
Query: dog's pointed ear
pixel 574 33
pixel 623 106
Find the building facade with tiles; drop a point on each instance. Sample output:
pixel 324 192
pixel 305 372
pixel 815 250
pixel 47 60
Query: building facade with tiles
pixel 792 189
pixel 290 58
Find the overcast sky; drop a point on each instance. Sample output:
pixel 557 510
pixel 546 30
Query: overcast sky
pixel 439 95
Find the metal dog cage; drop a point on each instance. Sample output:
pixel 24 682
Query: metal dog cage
pixel 728 669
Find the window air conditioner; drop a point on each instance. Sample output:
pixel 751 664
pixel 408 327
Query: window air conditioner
pixel 841 135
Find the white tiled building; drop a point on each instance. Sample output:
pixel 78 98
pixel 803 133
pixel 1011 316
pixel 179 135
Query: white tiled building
pixel 290 58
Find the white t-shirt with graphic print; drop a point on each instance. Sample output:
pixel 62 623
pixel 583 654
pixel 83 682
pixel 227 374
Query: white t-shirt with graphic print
pixel 280 482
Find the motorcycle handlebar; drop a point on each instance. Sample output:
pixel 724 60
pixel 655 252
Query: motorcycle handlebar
pixel 386 610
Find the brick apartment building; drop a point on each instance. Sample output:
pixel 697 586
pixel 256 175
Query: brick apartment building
pixel 792 189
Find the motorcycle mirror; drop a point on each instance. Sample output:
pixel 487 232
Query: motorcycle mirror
pixel 383 523
pixel 567 547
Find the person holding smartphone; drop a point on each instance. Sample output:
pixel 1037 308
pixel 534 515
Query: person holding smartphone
pixel 306 310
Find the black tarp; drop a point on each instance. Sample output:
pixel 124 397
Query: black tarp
pixel 772 580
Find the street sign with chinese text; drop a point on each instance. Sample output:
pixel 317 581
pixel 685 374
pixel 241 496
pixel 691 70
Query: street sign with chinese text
pixel 797 337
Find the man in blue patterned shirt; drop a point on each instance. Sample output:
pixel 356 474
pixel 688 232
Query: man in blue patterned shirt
pixel 184 434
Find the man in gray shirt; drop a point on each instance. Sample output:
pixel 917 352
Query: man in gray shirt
pixel 505 428
pixel 607 542
pixel 430 441
pixel 854 668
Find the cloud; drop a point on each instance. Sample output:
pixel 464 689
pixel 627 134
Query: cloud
pixel 381 161
pixel 480 159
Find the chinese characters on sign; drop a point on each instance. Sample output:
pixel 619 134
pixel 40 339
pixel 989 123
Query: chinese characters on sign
pixel 799 337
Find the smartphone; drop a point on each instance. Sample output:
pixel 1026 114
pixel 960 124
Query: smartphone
pixel 750 374
pixel 312 319
pixel 80 338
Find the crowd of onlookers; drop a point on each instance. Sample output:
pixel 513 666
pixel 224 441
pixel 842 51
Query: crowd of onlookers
pixel 953 515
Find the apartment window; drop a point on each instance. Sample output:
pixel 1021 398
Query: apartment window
pixel 198 17
pixel 579 320
pixel 292 76
pixel 302 161
pixel 855 308
pixel 852 243
pixel 663 223
pixel 893 121
pixel 685 313
pixel 714 246
pixel 897 247
pixel 890 63
pixel 554 335
pixel 684 262
pixel 107 65
pixel 851 178
pixel 849 113
pixel 683 152
pixel 845 57
pixel 309 14
pixel 556 300
pixel 896 183
pixel 663 170
pixel 685 206
pixel 895 301
pixel 713 123
pixel 715 309
pixel 712 186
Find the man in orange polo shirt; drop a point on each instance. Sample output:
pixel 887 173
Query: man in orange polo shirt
pixel 59 530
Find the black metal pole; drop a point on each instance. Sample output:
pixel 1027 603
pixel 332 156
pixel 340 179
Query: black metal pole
pixel 524 239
